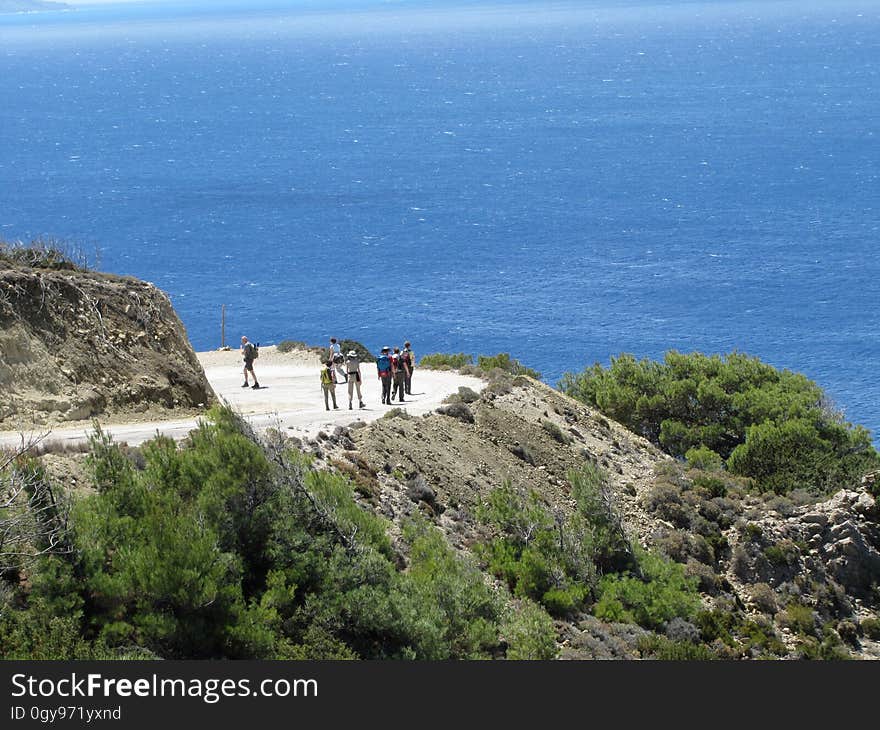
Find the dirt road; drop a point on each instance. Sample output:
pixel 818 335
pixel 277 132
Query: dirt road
pixel 290 398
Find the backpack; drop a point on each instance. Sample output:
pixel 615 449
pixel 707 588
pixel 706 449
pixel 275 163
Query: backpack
pixel 383 363
pixel 338 357
pixel 251 351
pixel 351 365
pixel 326 376
pixel 256 350
pixel 406 359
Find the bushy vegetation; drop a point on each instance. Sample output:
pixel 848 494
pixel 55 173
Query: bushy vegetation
pixel 485 364
pixel 345 346
pixel 363 352
pixel 773 426
pixel 224 548
pixel 570 563
pixel 444 361
pixel 503 361
pixel 43 254
pixel 550 559
pixel 734 636
pixel 662 592
pixel 529 632
pixel 464 395
pixel 290 345
pixel 664 649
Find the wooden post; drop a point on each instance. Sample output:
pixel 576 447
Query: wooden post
pixel 222 325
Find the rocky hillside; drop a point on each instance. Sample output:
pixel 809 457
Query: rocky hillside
pixel 76 344
pixel 778 577
pixel 738 573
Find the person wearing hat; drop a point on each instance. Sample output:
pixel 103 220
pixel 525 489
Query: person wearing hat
pixel 353 375
pixel 383 365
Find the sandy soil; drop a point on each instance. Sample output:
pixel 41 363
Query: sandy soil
pixel 290 398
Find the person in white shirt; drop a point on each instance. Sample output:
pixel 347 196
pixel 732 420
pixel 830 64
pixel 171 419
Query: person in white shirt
pixel 335 355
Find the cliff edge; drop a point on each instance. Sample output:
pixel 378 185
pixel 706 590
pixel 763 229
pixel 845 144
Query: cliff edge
pixel 76 344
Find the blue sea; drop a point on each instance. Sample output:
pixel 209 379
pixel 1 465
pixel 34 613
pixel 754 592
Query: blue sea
pixel 564 181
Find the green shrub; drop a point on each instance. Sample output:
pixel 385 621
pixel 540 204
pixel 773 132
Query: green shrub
pixel 732 629
pixel 290 345
pixel 445 599
pixel 760 636
pixel 714 484
pixel 215 550
pixel 703 458
pixel 799 618
pixel 763 597
pixel 549 559
pixel 363 353
pixel 467 395
pixel 457 410
pixel 661 648
pixel 663 592
pixel 870 627
pixel 503 361
pixel 363 477
pixel 784 552
pixel 530 632
pixel 769 425
pixel 444 361
pixel 486 364
pixel 555 432
pixel 829 648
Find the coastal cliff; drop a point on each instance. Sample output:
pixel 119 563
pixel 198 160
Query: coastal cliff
pixel 75 344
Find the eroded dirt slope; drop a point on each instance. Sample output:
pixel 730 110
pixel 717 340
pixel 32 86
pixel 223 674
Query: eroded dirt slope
pixel 77 344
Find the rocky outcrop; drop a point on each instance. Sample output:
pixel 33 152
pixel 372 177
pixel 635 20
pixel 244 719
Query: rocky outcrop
pixel 770 559
pixel 76 344
pixel 521 430
pixel 837 540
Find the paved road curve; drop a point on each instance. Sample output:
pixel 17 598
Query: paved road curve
pixel 290 398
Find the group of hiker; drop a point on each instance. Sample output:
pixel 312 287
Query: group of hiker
pixel 394 370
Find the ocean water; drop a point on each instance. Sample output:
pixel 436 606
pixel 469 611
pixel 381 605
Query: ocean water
pixel 561 181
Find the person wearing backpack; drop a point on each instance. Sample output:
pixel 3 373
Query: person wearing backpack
pixel 410 360
pixel 335 354
pixel 249 353
pixel 383 365
pixel 353 376
pixel 398 374
pixel 328 385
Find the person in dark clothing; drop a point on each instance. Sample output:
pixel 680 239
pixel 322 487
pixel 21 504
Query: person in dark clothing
pixel 398 374
pixel 248 354
pixel 410 359
pixel 383 365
